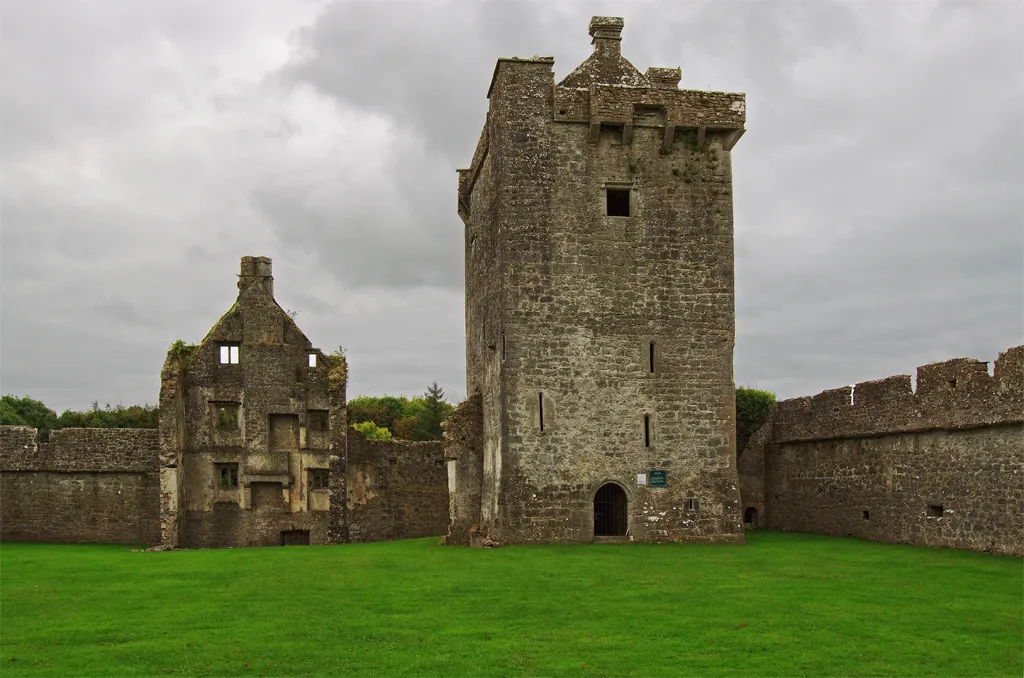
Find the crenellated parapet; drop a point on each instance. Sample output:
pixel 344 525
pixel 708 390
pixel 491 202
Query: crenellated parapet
pixel 604 92
pixel 954 394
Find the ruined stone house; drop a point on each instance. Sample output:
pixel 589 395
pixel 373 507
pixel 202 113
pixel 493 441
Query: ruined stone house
pixel 252 429
pixel 599 307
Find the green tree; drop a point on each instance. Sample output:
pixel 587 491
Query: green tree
pixel 367 408
pixel 436 410
pixel 753 407
pixel 131 416
pixel 372 431
pixel 27 411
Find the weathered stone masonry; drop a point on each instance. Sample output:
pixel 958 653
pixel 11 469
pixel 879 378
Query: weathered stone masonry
pixel 252 450
pixel 599 303
pixel 942 465
pixel 396 490
pixel 84 485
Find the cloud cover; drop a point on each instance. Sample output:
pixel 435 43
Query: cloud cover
pixel 147 146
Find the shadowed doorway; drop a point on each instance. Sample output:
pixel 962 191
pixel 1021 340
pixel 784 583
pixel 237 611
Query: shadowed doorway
pixel 610 511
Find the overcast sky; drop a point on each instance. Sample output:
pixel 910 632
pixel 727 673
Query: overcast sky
pixel 147 146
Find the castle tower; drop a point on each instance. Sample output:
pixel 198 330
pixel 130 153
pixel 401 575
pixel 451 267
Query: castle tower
pixel 600 314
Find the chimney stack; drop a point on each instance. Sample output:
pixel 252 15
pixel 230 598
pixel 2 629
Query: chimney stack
pixel 256 269
pixel 606 32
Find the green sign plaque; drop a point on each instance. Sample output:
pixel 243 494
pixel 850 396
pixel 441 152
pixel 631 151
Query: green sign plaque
pixel 657 478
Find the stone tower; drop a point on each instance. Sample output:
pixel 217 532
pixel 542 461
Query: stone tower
pixel 600 315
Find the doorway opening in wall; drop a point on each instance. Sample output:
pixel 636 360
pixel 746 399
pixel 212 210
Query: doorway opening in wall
pixel 295 538
pixel 610 505
pixel 750 516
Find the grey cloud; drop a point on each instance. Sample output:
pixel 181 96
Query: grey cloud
pixel 149 145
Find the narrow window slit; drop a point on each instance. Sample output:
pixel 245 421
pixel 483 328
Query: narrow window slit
pixel 540 408
pixel 647 430
pixel 502 345
pixel 652 358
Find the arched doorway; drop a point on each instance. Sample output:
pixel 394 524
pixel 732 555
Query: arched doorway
pixel 750 516
pixel 610 511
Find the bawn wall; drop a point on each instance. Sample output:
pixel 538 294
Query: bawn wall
pixel 869 461
pixel 396 489
pixel 84 485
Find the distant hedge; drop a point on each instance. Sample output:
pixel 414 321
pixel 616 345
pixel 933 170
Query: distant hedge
pixel 752 409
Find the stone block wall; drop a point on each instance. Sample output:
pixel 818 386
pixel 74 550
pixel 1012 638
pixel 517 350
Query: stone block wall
pixel 942 465
pixel 464 456
pixel 84 485
pixel 396 489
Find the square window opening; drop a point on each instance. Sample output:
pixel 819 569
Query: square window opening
pixel 319 420
pixel 617 202
pixel 319 479
pixel 227 416
pixel 935 510
pixel 229 354
pixel 227 475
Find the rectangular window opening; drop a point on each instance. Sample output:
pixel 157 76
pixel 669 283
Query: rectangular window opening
pixel 227 475
pixel 652 357
pixel 617 202
pixel 312 359
pixel 647 430
pixel 935 510
pixel 502 345
pixel 691 505
pixel 227 416
pixel 229 354
pixel 866 514
pixel 318 420
pixel 540 408
pixel 319 479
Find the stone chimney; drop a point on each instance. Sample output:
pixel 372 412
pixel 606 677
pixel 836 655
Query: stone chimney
pixel 664 78
pixel 606 32
pixel 256 269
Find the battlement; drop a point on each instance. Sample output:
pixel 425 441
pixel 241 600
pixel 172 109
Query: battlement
pixel 953 394
pixel 114 450
pixel 604 92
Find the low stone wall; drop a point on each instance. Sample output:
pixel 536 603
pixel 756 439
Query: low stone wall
pixel 939 466
pixel 395 489
pixel 84 485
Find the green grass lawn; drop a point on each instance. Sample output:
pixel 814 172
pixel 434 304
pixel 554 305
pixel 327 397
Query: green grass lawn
pixel 782 605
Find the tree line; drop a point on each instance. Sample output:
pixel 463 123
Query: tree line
pixel 378 418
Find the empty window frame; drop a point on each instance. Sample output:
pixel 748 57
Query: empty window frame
pixel 319 479
pixel 618 201
pixel 226 415
pixel 229 354
pixel 319 420
pixel 311 359
pixel 227 476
